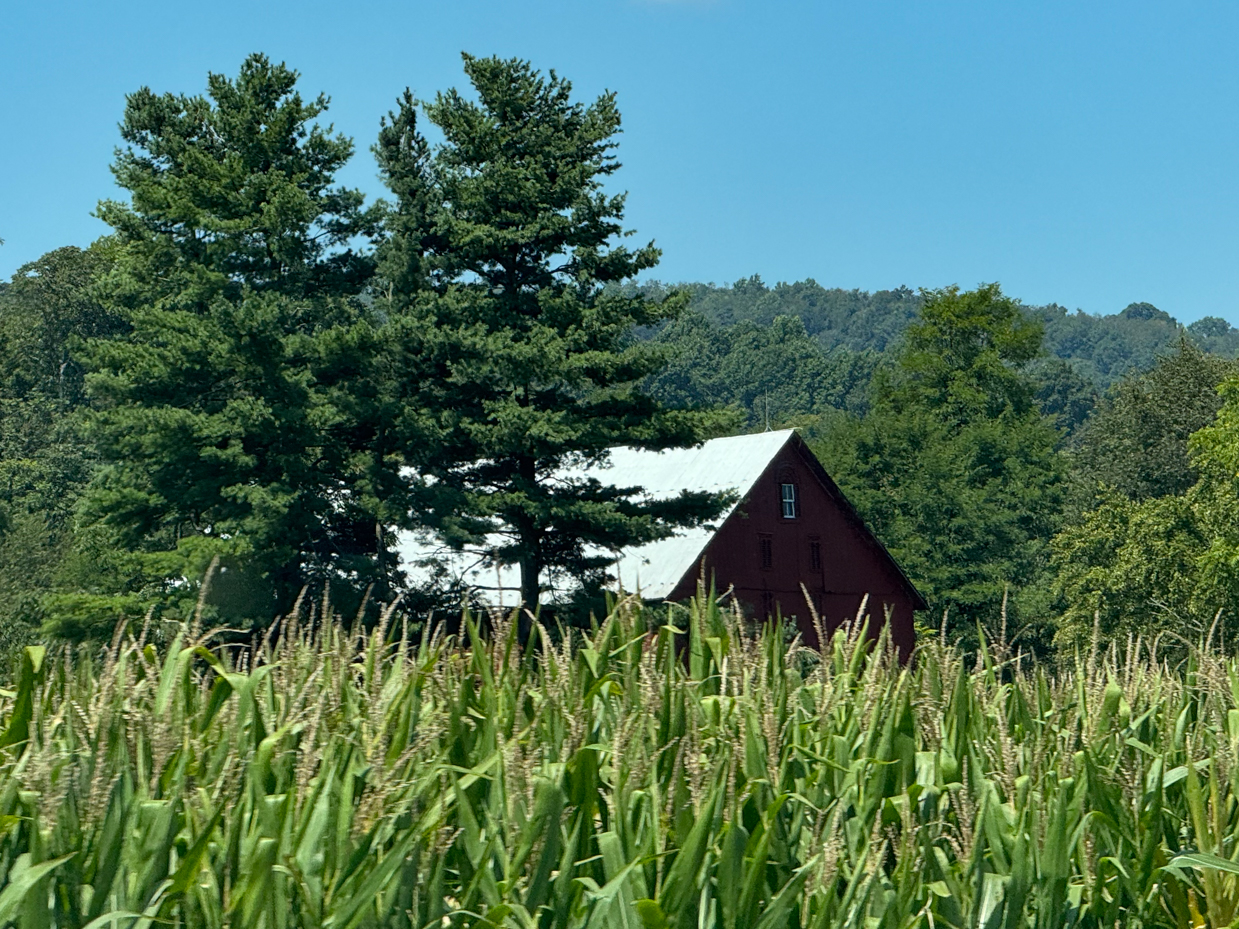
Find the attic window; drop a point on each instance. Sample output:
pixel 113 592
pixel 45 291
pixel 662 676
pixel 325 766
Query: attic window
pixel 788 496
pixel 766 546
pixel 815 554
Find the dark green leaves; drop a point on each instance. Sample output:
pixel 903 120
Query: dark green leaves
pixel 955 467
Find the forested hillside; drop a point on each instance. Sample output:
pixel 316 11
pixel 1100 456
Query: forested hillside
pixel 791 351
pixel 1101 347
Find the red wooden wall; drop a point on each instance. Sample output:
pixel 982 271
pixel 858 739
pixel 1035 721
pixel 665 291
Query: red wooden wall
pixel 851 562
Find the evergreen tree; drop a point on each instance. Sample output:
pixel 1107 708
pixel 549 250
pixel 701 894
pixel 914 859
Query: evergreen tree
pixel 232 263
pixel 502 310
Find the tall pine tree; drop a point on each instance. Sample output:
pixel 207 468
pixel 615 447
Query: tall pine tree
pixel 232 263
pixel 502 272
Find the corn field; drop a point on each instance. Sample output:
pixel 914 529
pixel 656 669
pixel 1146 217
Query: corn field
pixel 701 774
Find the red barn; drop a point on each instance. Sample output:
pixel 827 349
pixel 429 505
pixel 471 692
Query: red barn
pixel 789 526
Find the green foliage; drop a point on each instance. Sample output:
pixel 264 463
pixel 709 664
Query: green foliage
pixel 231 263
pixel 775 374
pixel 337 779
pixel 1131 567
pixel 851 319
pixel 965 354
pixel 1102 349
pixel 233 192
pixel 503 303
pixel 49 306
pixel 1215 453
pixel 1063 393
pixel 1153 549
pixel 728 350
pixel 955 468
pixel 1215 336
pixel 44 463
pixel 1105 348
pixel 1137 441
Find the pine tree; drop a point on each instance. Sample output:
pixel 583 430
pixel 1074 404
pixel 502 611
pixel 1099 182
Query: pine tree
pixel 503 270
pixel 232 263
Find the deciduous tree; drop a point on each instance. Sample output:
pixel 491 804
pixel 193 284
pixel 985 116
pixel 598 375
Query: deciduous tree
pixel 45 312
pixel 1137 441
pixel 955 467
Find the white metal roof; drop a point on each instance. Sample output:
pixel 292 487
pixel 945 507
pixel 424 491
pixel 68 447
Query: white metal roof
pixel 728 464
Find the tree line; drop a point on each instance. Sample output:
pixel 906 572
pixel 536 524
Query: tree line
pixel 259 371
pixel 1100 348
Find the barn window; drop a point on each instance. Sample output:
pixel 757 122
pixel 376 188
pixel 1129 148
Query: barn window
pixel 766 546
pixel 789 500
pixel 767 603
pixel 815 554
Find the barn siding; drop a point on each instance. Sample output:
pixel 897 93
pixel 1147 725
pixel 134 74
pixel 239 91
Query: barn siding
pixel 852 564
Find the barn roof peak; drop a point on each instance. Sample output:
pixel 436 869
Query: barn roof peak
pixel 727 464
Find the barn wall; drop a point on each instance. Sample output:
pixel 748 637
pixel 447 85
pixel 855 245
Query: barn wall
pixel 851 564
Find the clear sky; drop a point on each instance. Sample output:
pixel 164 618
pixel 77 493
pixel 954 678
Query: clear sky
pixel 1078 152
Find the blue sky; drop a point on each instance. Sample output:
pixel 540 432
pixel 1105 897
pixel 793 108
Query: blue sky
pixel 1084 153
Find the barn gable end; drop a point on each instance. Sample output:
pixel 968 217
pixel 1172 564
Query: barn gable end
pixel 766 550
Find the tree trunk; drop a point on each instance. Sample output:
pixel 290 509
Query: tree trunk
pixel 531 572
pixel 527 532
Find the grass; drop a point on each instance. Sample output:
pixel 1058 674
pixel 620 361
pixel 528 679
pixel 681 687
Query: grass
pixel 336 778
